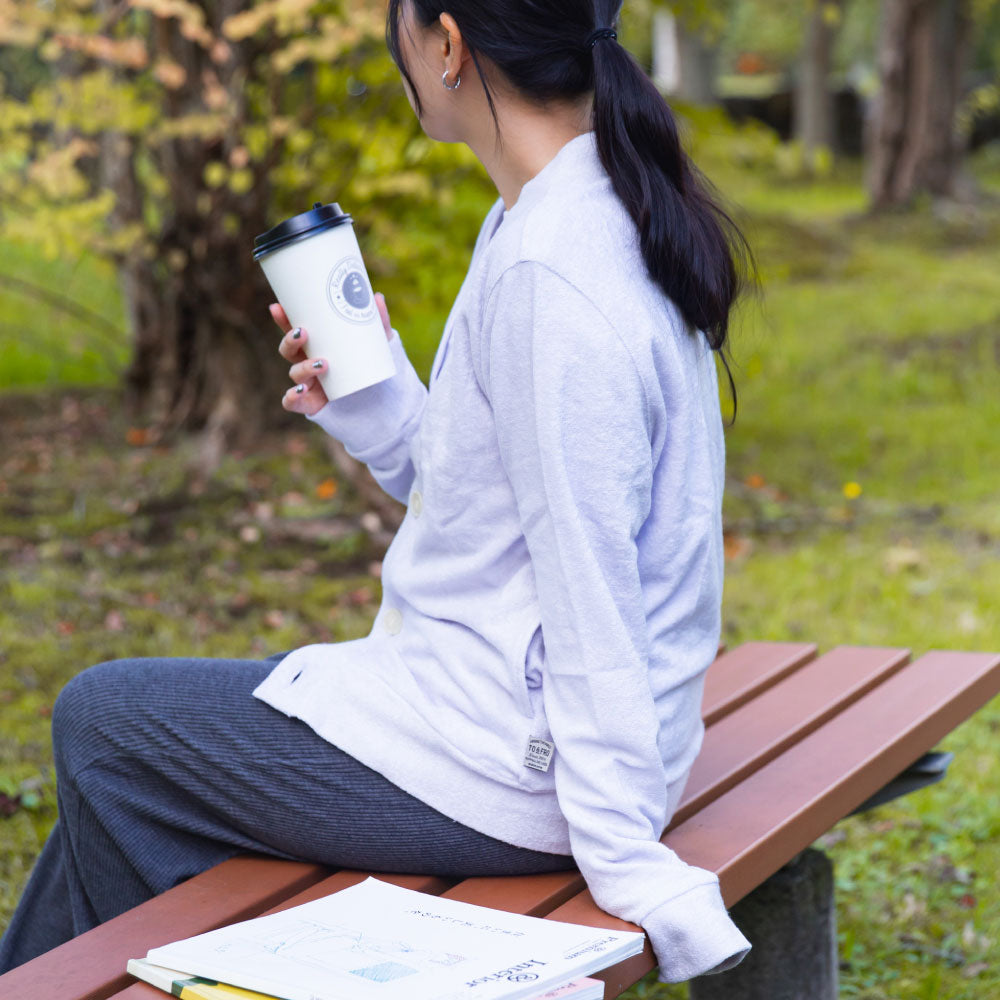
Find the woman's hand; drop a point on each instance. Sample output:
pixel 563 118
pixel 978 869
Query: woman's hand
pixel 307 395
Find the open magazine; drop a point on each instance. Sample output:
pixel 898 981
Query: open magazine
pixel 376 940
pixel 177 984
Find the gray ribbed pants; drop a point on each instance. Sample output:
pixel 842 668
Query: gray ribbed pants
pixel 165 767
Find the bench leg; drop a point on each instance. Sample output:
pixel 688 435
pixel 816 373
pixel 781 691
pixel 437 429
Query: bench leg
pixel 791 922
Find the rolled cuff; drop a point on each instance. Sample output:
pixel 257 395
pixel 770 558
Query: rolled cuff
pixel 693 935
pixel 373 421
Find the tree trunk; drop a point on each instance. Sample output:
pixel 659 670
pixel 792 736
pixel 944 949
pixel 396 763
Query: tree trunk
pixel 204 352
pixel 814 124
pixel 696 67
pixel 913 143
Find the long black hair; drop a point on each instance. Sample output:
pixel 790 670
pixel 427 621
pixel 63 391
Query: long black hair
pixel 548 51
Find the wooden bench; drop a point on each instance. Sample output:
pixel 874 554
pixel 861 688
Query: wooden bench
pixel 794 743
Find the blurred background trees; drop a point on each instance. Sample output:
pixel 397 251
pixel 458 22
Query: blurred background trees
pixel 164 135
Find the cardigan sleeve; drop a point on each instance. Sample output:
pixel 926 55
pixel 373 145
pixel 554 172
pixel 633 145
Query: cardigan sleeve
pixel 573 430
pixel 377 423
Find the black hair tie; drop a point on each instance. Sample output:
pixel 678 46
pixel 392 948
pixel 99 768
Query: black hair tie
pixel 595 36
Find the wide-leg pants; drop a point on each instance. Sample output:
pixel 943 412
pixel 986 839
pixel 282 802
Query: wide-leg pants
pixel 165 767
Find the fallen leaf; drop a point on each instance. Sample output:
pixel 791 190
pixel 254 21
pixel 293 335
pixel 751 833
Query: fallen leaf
pixel 736 546
pixel 902 557
pixel 137 436
pixel 327 489
pixel 360 596
pixel 250 533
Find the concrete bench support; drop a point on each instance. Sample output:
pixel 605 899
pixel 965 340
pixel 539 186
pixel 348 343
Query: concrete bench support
pixel 791 921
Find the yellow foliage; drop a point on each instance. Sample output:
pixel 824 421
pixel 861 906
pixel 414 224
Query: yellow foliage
pixel 59 229
pixel 215 174
pixel 213 93
pixel 171 74
pixel 197 125
pixel 184 11
pixel 832 14
pixel 50 50
pixel 92 103
pixel 130 52
pixel 55 170
pixel 285 15
pixel 221 51
pixel 241 181
pixel 14 33
pixel 299 140
pixel 15 115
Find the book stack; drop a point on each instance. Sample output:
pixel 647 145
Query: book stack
pixel 377 940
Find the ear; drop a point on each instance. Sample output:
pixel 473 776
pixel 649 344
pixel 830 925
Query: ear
pixel 453 49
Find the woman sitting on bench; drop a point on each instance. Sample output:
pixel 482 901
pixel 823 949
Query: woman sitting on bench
pixel 529 697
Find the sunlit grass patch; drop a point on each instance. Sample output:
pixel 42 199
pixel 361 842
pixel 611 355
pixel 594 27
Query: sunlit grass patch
pixel 61 321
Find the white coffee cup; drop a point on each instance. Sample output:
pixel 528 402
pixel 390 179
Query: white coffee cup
pixel 313 264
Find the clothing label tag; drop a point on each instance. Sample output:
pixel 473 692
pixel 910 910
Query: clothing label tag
pixel 538 756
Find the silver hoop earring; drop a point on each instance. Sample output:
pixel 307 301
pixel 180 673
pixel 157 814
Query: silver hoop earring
pixel 450 86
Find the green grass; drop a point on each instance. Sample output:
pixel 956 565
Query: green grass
pixel 61 321
pixel 873 362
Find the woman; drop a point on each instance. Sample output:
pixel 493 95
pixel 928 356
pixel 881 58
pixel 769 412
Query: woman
pixel 528 698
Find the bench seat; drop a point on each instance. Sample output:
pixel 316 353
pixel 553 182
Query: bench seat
pixel 795 741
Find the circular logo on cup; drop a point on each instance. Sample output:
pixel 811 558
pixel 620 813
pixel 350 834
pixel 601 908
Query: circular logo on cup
pixel 348 291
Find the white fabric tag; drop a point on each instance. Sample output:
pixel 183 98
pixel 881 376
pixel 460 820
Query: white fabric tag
pixel 538 756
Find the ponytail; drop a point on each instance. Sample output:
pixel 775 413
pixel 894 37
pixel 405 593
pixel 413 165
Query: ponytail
pixel 692 248
pixel 562 49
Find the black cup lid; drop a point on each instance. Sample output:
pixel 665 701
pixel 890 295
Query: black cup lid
pixel 298 227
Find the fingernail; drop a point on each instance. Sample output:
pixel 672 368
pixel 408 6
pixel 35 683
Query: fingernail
pixel 300 389
pixel 317 364
pixel 296 333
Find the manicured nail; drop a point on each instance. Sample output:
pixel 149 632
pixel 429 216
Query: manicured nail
pixel 317 364
pixel 300 389
pixel 296 333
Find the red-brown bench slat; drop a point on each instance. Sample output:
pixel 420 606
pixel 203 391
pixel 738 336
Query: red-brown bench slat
pixel 90 967
pixel 784 807
pixel 740 675
pixel 750 832
pixel 757 732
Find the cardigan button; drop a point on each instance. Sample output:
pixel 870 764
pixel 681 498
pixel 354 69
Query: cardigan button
pixel 416 503
pixel 392 621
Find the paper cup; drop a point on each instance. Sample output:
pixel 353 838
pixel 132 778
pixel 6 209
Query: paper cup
pixel 313 264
